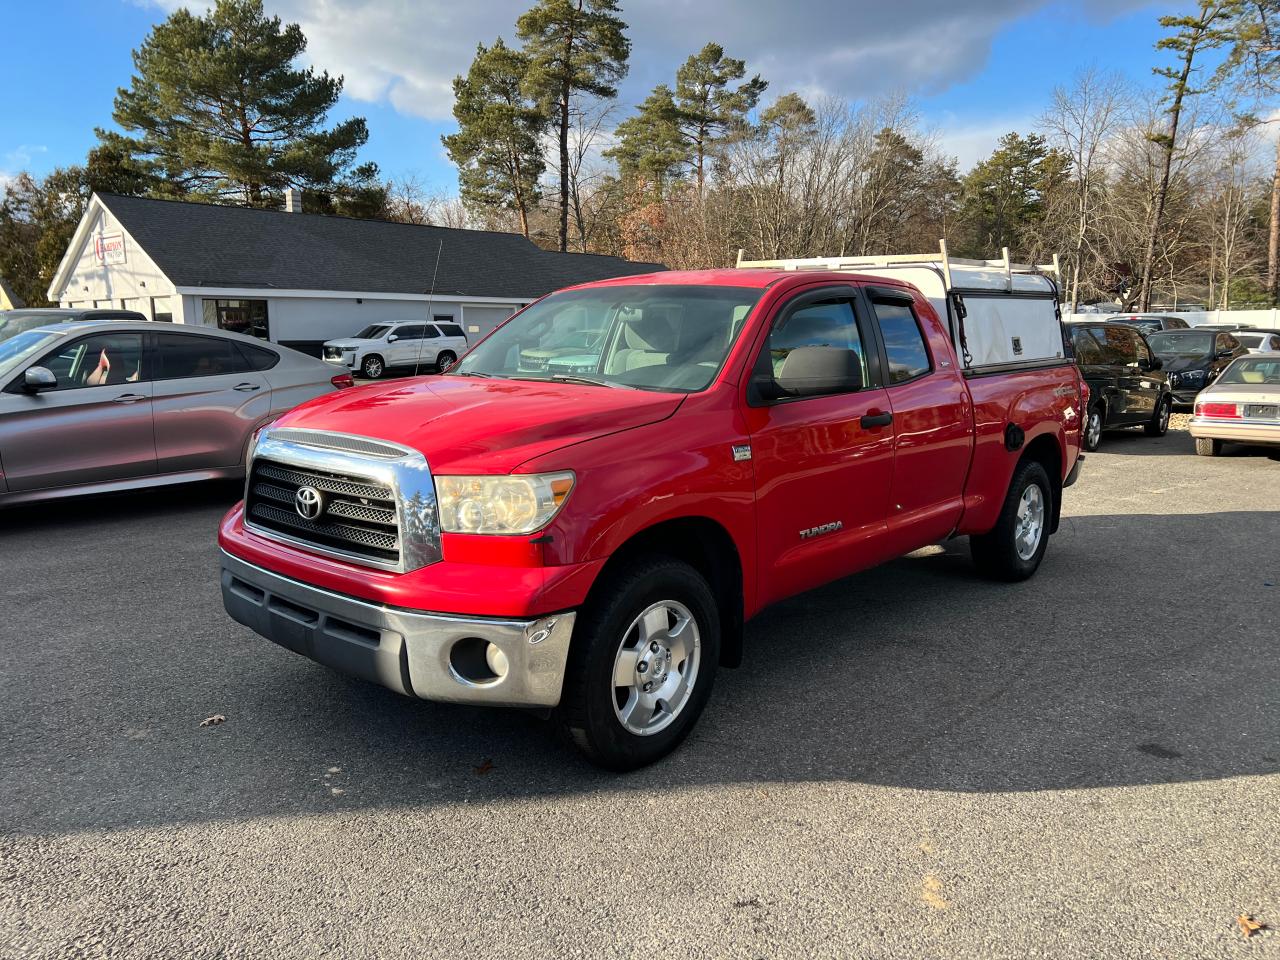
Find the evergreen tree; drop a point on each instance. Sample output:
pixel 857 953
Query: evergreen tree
pixel 650 148
pixel 708 107
pixel 218 110
pixel 575 48
pixel 1003 197
pixel 498 146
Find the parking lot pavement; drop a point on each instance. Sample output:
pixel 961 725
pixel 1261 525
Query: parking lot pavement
pixel 911 763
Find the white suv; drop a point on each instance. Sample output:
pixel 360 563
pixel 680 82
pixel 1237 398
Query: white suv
pixel 406 343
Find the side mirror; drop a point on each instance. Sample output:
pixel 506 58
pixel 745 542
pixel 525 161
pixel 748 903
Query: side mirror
pixel 816 371
pixel 1157 363
pixel 1223 354
pixel 37 379
pixel 392 338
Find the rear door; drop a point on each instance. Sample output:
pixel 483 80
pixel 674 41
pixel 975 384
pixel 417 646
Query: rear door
pixel 932 421
pixel 1147 386
pixel 94 427
pixel 1122 361
pixel 208 400
pixel 823 465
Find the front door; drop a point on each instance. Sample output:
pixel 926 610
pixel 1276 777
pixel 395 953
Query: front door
pixel 207 402
pixel 93 427
pixel 404 352
pixel 823 465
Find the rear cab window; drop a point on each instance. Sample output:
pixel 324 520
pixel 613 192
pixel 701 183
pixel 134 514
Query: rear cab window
pixel 903 341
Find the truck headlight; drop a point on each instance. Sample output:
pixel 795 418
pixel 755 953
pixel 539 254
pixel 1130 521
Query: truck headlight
pixel 514 504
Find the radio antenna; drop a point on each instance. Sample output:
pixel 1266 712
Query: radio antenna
pixel 430 297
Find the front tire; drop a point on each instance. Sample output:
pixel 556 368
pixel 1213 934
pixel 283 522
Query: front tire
pixel 372 367
pixel 642 663
pixel 1012 551
pixel 1208 447
pixel 1158 426
pixel 1092 434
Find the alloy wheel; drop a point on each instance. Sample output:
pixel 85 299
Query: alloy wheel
pixel 656 667
pixel 1029 526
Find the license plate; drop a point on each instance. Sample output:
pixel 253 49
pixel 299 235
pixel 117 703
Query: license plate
pixel 1261 411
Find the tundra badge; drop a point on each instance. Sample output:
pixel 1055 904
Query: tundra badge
pixel 819 531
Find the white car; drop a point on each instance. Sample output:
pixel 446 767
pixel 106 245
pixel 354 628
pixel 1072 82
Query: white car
pixel 1258 341
pixel 406 343
pixel 1241 406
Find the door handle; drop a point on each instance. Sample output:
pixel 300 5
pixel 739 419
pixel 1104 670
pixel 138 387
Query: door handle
pixel 872 420
pixel 128 398
pixel 246 387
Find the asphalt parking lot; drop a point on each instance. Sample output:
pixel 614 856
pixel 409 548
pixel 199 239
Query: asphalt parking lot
pixel 911 763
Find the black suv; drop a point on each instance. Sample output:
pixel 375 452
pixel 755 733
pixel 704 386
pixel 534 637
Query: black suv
pixel 1126 385
pixel 1194 358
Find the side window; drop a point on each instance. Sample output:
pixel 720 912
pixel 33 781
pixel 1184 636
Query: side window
pixel 1120 347
pixel 828 323
pixel 1227 342
pixel 412 331
pixel 1088 350
pixel 180 356
pixel 1140 348
pixel 431 333
pixel 104 359
pixel 903 342
pixel 451 330
pixel 258 358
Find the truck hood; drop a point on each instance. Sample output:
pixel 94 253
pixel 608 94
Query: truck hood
pixel 469 425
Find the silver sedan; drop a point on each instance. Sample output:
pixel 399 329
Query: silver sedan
pixel 91 407
pixel 1241 406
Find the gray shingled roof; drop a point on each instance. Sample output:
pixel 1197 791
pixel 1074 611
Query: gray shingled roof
pixel 202 245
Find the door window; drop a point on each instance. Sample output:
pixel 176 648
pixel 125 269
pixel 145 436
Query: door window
pixel 828 323
pixel 180 356
pixel 1140 348
pixel 903 342
pixel 1088 350
pixel 451 330
pixel 104 359
pixel 1119 347
pixel 412 331
pixel 432 333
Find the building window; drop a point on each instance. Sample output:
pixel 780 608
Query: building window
pixel 162 309
pixel 239 316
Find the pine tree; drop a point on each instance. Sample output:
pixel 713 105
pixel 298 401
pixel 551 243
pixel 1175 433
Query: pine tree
pixel 650 149
pixel 498 146
pixel 1003 196
pixel 708 106
pixel 575 48
pixel 217 110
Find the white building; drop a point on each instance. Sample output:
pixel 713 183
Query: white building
pixel 300 279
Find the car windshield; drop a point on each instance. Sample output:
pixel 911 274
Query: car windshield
pixel 1190 346
pixel 13 322
pixel 1255 370
pixel 372 332
pixel 17 350
pixel 670 337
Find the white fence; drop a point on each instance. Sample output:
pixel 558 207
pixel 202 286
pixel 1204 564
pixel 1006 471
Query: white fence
pixel 1267 319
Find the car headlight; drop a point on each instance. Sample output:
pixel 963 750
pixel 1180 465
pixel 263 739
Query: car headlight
pixel 1194 376
pixel 501 505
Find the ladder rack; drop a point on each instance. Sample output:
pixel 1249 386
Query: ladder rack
pixel 942 258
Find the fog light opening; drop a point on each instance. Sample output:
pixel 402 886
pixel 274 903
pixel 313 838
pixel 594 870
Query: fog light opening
pixel 477 661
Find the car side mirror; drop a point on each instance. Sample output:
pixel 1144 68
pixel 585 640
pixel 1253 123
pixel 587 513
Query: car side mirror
pixel 817 371
pixel 37 379
pixel 392 338
pixel 1223 354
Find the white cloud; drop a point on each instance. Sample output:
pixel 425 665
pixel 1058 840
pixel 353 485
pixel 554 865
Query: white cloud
pixel 17 159
pixel 407 52
pixel 970 142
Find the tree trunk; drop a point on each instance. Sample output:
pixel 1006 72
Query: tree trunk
pixel 1273 235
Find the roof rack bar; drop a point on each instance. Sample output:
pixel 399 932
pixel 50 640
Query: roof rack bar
pixel 946 262
pixel 942 257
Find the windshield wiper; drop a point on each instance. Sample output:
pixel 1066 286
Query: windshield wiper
pixel 470 373
pixel 571 378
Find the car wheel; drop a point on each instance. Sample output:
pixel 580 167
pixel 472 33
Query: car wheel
pixel 642 663
pixel 445 359
pixel 1208 447
pixel 1093 427
pixel 1158 426
pixel 372 367
pixel 1015 546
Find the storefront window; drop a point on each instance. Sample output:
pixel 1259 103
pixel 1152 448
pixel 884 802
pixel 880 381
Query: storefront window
pixel 239 316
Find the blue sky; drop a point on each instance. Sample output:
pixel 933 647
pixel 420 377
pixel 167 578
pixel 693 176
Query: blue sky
pixel 984 71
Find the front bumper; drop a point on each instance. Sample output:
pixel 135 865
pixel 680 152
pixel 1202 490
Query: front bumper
pixel 426 655
pixel 1236 431
pixel 346 359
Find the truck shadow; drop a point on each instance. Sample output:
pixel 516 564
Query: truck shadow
pixel 1116 666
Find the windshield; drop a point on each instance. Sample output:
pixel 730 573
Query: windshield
pixel 1256 370
pixel 1191 346
pixel 17 351
pixel 664 337
pixel 13 322
pixel 372 332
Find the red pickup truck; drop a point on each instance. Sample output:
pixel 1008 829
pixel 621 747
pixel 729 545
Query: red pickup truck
pixel 581 515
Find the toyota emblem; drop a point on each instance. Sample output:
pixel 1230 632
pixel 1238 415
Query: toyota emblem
pixel 308 502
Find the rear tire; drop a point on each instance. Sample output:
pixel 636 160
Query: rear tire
pixel 1158 426
pixel 604 710
pixel 1012 551
pixel 1091 436
pixel 372 367
pixel 445 359
pixel 1208 447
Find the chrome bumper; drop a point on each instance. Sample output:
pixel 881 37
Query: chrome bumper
pixel 1237 431
pixel 418 654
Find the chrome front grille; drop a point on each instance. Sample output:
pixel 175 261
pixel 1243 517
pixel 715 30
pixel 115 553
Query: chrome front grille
pixel 363 507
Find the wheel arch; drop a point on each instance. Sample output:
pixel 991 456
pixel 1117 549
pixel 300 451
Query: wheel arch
pixel 1046 449
pixel 708 547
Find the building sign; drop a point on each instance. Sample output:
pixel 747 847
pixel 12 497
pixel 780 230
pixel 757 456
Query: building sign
pixel 109 247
